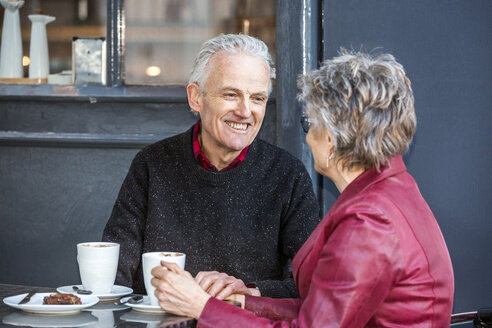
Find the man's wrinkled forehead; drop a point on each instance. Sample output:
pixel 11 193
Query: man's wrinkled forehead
pixel 222 61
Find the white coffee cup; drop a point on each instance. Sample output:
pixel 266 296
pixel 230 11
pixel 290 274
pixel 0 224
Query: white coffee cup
pixel 151 260
pixel 98 263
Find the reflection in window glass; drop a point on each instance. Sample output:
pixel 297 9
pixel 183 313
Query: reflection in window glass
pixel 162 37
pixel 86 18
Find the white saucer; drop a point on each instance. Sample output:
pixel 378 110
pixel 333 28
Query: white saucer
pixel 116 292
pixel 34 320
pixel 35 305
pixel 145 306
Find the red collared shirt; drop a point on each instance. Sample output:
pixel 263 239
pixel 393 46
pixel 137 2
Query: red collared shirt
pixel 200 155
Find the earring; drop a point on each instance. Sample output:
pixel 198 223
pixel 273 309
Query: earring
pixel 328 160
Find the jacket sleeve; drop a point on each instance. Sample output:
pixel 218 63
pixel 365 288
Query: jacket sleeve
pixel 355 271
pixel 300 216
pixel 221 314
pixel 273 309
pixel 127 221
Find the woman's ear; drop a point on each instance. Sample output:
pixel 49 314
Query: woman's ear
pixel 329 140
pixel 194 97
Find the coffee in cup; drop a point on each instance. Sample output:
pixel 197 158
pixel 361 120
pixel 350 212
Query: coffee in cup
pixel 151 260
pixel 98 263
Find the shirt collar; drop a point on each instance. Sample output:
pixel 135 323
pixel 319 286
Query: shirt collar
pixel 200 155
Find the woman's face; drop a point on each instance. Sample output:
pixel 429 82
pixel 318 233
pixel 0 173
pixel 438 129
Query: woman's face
pixel 319 140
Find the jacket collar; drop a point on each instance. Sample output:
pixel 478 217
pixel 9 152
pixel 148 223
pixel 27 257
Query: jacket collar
pixel 371 176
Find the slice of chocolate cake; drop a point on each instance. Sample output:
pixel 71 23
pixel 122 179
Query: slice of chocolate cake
pixel 59 298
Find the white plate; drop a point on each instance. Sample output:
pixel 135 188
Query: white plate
pixel 116 292
pixel 145 306
pixel 34 320
pixel 35 305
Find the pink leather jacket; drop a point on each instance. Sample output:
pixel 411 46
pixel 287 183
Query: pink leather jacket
pixel 377 259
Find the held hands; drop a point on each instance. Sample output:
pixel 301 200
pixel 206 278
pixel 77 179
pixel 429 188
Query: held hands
pixel 222 286
pixel 177 292
pixel 180 294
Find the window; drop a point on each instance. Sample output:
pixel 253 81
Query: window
pixel 84 18
pixel 162 37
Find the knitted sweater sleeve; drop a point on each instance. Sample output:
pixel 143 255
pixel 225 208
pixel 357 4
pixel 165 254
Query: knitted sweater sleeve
pixel 300 215
pixel 127 221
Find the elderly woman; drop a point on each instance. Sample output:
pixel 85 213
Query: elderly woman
pixel 378 258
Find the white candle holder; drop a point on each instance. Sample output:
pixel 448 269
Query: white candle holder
pixel 11 47
pixel 40 64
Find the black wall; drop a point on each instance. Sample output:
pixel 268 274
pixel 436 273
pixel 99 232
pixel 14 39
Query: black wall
pixel 446 49
pixel 62 162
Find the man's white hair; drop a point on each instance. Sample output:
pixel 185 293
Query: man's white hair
pixel 232 44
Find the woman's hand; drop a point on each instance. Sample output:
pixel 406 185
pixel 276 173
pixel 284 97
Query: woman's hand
pixel 237 298
pixel 221 285
pixel 177 291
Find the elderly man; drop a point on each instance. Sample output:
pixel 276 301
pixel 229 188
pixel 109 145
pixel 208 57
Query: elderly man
pixel 232 202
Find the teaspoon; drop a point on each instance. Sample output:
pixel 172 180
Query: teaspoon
pixel 137 299
pixel 81 291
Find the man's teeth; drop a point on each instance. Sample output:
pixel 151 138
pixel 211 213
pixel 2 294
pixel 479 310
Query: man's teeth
pixel 238 126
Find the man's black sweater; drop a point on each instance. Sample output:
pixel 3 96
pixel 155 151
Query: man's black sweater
pixel 247 222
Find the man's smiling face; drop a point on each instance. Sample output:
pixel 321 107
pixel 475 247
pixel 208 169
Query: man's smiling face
pixel 232 104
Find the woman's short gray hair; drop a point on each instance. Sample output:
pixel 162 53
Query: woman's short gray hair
pixel 367 104
pixel 233 44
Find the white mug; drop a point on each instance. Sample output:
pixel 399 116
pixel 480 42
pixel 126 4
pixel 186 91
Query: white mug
pixel 151 260
pixel 98 263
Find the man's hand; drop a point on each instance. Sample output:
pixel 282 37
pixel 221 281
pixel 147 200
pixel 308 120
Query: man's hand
pixel 221 285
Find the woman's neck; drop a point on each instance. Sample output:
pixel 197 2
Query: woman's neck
pixel 342 177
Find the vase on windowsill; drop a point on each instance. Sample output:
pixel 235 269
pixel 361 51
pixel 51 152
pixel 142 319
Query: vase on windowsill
pixel 11 46
pixel 39 68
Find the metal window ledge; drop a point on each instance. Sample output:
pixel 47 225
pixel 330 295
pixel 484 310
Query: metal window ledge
pixel 82 140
